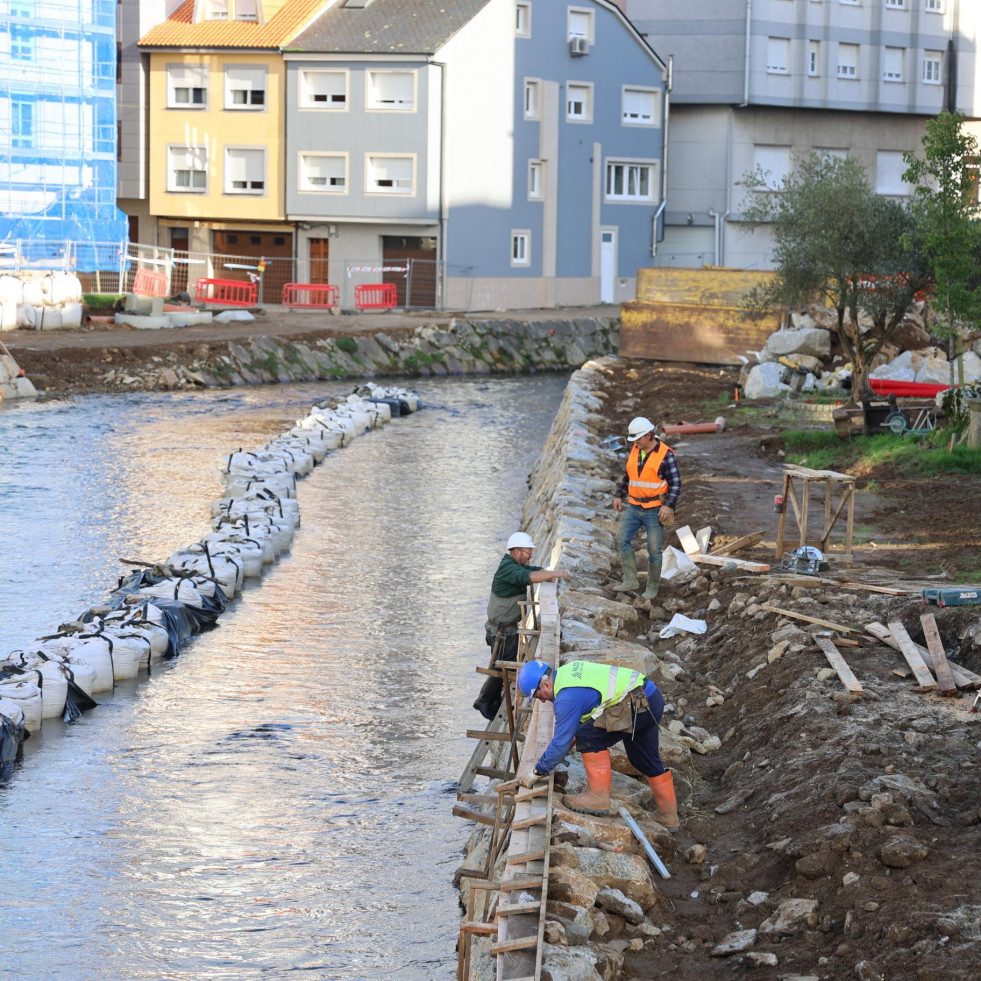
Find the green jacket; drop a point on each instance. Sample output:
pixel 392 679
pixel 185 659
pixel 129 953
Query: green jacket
pixel 510 582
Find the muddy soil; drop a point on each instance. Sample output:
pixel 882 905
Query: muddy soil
pixel 862 809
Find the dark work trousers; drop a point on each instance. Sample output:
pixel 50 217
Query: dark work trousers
pixel 492 694
pixel 641 746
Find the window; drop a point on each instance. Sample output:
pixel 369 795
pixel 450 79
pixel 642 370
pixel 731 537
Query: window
pixel 849 3
pixel 813 56
pixel 21 43
pixel 187 169
pixel 579 102
pixel 847 60
pixel 892 64
pixel 522 19
pixel 535 176
pixel 777 55
pixel 231 10
pixel 520 248
pixel 580 24
pixel 774 162
pixel 972 172
pixel 323 90
pixel 216 10
pixel 896 4
pixel 628 180
pixel 932 61
pixel 324 172
pixel 640 106
pixel 390 175
pixel 532 107
pixel 245 170
pixel 889 170
pixel 391 90
pixel 187 86
pixel 22 119
pixel 245 87
pixel 934 6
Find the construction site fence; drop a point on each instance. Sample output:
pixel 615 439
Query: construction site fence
pixel 115 267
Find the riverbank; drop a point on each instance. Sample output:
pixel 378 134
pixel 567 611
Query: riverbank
pixel 283 346
pixel 824 834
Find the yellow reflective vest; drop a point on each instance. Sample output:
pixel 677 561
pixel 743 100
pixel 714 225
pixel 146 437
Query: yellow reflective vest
pixel 612 683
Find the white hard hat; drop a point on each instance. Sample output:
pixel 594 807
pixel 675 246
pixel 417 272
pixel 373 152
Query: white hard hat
pixel 520 540
pixel 638 427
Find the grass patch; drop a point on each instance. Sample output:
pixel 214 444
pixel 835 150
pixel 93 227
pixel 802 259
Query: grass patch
pixel 102 304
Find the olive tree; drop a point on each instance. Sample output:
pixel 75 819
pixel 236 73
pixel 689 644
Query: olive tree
pixel 836 240
pixel 947 232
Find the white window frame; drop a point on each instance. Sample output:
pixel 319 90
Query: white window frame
pixel 933 6
pixel 521 247
pixel 404 186
pixel 777 55
pixel 586 90
pixel 631 172
pixel 536 180
pixel 190 155
pixel 813 58
pixel 933 68
pixel 849 3
pixel 372 103
pixel 846 70
pixel 522 18
pixel 896 4
pixel 889 72
pixel 217 9
pixel 305 181
pixel 634 115
pixel 772 160
pixel 254 187
pixel 580 22
pixel 307 91
pixel 532 104
pixel 889 167
pixel 22 47
pixel 250 79
pixel 181 77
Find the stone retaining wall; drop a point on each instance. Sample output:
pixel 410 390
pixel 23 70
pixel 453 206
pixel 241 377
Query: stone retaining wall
pixel 461 348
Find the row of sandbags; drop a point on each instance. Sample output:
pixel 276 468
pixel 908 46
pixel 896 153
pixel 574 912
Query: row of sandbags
pixel 153 610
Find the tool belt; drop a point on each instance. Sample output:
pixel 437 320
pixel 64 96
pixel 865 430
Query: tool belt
pixel 622 717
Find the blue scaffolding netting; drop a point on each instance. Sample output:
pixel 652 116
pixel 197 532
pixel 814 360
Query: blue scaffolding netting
pixel 58 106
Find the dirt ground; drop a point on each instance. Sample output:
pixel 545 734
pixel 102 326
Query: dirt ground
pixel 865 808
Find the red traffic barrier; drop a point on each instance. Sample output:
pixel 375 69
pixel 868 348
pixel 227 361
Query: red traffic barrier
pixel 148 283
pixel 375 296
pixel 227 292
pixel 317 296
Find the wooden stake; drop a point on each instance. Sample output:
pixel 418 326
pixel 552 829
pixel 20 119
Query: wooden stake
pixel 936 647
pixel 840 665
pixel 912 655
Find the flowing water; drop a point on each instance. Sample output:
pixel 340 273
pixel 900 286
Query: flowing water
pixel 276 802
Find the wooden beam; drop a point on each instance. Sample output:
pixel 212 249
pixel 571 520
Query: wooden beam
pixel 836 661
pixel 962 677
pixel 747 541
pixel 908 649
pixel 723 560
pixel 827 624
pixel 935 645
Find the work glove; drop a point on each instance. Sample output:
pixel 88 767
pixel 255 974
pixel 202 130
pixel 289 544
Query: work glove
pixel 530 779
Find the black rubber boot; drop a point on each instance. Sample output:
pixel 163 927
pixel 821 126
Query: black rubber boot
pixel 490 698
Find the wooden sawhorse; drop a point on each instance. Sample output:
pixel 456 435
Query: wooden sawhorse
pixel 830 479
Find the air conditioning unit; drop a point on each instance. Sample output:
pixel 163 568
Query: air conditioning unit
pixel 578 46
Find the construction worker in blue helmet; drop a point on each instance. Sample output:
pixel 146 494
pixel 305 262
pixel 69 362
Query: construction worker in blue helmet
pixel 514 575
pixel 597 706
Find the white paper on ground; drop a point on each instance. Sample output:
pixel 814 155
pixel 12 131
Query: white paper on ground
pixel 682 624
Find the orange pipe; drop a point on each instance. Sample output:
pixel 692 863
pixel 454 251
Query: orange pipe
pixel 696 427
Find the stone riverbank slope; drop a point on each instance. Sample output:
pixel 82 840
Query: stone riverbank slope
pixel 824 835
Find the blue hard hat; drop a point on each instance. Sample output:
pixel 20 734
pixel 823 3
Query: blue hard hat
pixel 530 677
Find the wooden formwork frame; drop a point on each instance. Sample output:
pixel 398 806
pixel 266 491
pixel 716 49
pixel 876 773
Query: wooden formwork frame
pixel 806 478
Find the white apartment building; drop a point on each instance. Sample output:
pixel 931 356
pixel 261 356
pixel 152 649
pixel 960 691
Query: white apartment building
pixel 758 82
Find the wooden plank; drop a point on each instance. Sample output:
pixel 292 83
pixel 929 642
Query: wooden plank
pixel 908 649
pixel 524 882
pixel 511 909
pixel 687 539
pixel 723 560
pixel 945 677
pixel 840 665
pixel 467 814
pixel 747 541
pixel 529 822
pixel 500 737
pixel 962 677
pixel 525 857
pixel 827 624
pixel 476 926
pixel 518 943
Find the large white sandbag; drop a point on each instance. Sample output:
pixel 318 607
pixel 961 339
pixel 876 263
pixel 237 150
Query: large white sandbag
pixel 53 682
pixel 96 653
pixel 181 590
pixel 27 695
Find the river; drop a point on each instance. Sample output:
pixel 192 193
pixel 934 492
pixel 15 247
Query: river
pixel 276 802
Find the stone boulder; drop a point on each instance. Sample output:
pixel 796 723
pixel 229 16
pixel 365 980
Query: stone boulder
pixel 814 341
pixel 763 381
pixel 609 870
pixel 581 963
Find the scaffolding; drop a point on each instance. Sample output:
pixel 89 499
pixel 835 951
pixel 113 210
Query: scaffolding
pixel 58 107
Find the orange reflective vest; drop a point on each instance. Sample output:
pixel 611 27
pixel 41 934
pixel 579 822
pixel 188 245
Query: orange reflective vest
pixel 646 488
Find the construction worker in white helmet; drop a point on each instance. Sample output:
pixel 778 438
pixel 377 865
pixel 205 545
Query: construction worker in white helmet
pixel 511 580
pixel 645 498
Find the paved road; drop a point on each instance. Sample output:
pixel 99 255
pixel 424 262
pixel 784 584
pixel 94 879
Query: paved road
pixel 278 322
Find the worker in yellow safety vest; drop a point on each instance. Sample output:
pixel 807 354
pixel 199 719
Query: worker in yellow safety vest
pixel 645 498
pixel 597 706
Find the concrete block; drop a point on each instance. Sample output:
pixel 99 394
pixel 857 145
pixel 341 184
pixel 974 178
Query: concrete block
pixel 142 322
pixel 144 306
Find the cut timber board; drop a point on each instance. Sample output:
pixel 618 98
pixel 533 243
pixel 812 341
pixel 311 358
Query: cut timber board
pixel 747 541
pixel 688 541
pixel 827 624
pixel 935 645
pixel 962 677
pixel 728 562
pixel 912 655
pixel 840 665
